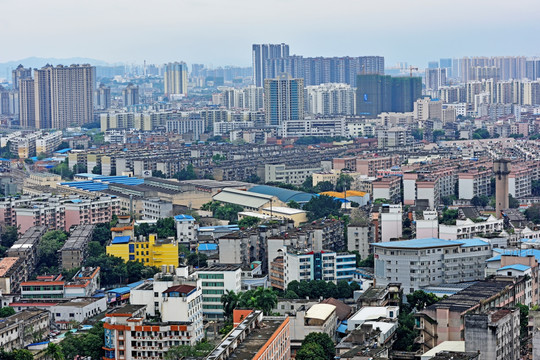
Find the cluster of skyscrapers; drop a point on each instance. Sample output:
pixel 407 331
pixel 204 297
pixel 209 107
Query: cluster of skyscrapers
pixel 271 60
pixel 56 97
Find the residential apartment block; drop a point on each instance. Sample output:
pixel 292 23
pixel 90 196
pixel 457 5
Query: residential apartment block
pixel 216 280
pixel 20 330
pixel 422 262
pixel 151 251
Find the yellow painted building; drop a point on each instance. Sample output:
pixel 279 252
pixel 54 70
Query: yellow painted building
pixel 150 252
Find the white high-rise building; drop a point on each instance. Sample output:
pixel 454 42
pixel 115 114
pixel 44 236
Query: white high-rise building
pixel 330 99
pixel 253 97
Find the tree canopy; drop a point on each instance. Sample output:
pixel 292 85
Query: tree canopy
pixel 319 288
pixel 87 344
pixel 322 206
pixel 264 299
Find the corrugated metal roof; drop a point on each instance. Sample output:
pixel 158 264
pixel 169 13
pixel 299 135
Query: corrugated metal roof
pixel 121 239
pixel 284 195
pixel 243 198
pixel 320 311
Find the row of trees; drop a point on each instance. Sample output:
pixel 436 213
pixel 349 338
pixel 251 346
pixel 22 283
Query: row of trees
pixel 89 344
pixel 316 289
pixel 164 228
pixel 223 211
pixel 264 299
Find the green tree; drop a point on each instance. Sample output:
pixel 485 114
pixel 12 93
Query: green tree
pixel 197 260
pixel 211 206
pixel 417 134
pixel 369 261
pixel 420 299
pixel 166 228
pixel 324 341
pixel 6 311
pixel 95 249
pixel 405 333
pixel 48 248
pixel 185 351
pixel 293 204
pixel 137 271
pixel 54 352
pixel 228 212
pixel 324 186
pixel 22 354
pixel 9 236
pixel 344 290
pixel 158 174
pixel 437 134
pixel 6 153
pixel 63 170
pixel 113 269
pixel 186 174
pixel 88 344
pixel 307 185
pixel 448 200
pixel 289 294
pixel 513 203
pixel 449 217
pixel 69 274
pixel 96 170
pixel 254 179
pixel 311 351
pixel 322 206
pixel 266 299
pixel 63 145
pixel 523 320
pixel 482 200
pixel 481 134
pixel 535 187
pixel 230 301
pixel 344 182
pixel 533 213
pixel 248 222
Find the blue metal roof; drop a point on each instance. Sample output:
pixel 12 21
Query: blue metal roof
pixel 519 253
pixel 284 195
pixel 4 159
pixel 101 182
pixel 342 328
pixel 418 243
pixel 184 217
pixel 473 242
pixel 431 242
pixel 518 267
pixel 63 151
pixel 121 239
pixel 120 290
pixel 207 247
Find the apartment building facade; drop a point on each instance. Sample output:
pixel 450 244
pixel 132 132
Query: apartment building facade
pixel 422 262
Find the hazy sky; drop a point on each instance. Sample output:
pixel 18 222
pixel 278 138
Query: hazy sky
pixel 220 32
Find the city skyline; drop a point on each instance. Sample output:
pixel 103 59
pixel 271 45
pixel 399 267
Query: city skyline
pixel 230 29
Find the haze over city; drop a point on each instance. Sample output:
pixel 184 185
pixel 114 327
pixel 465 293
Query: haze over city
pixel 219 32
pixel 270 180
